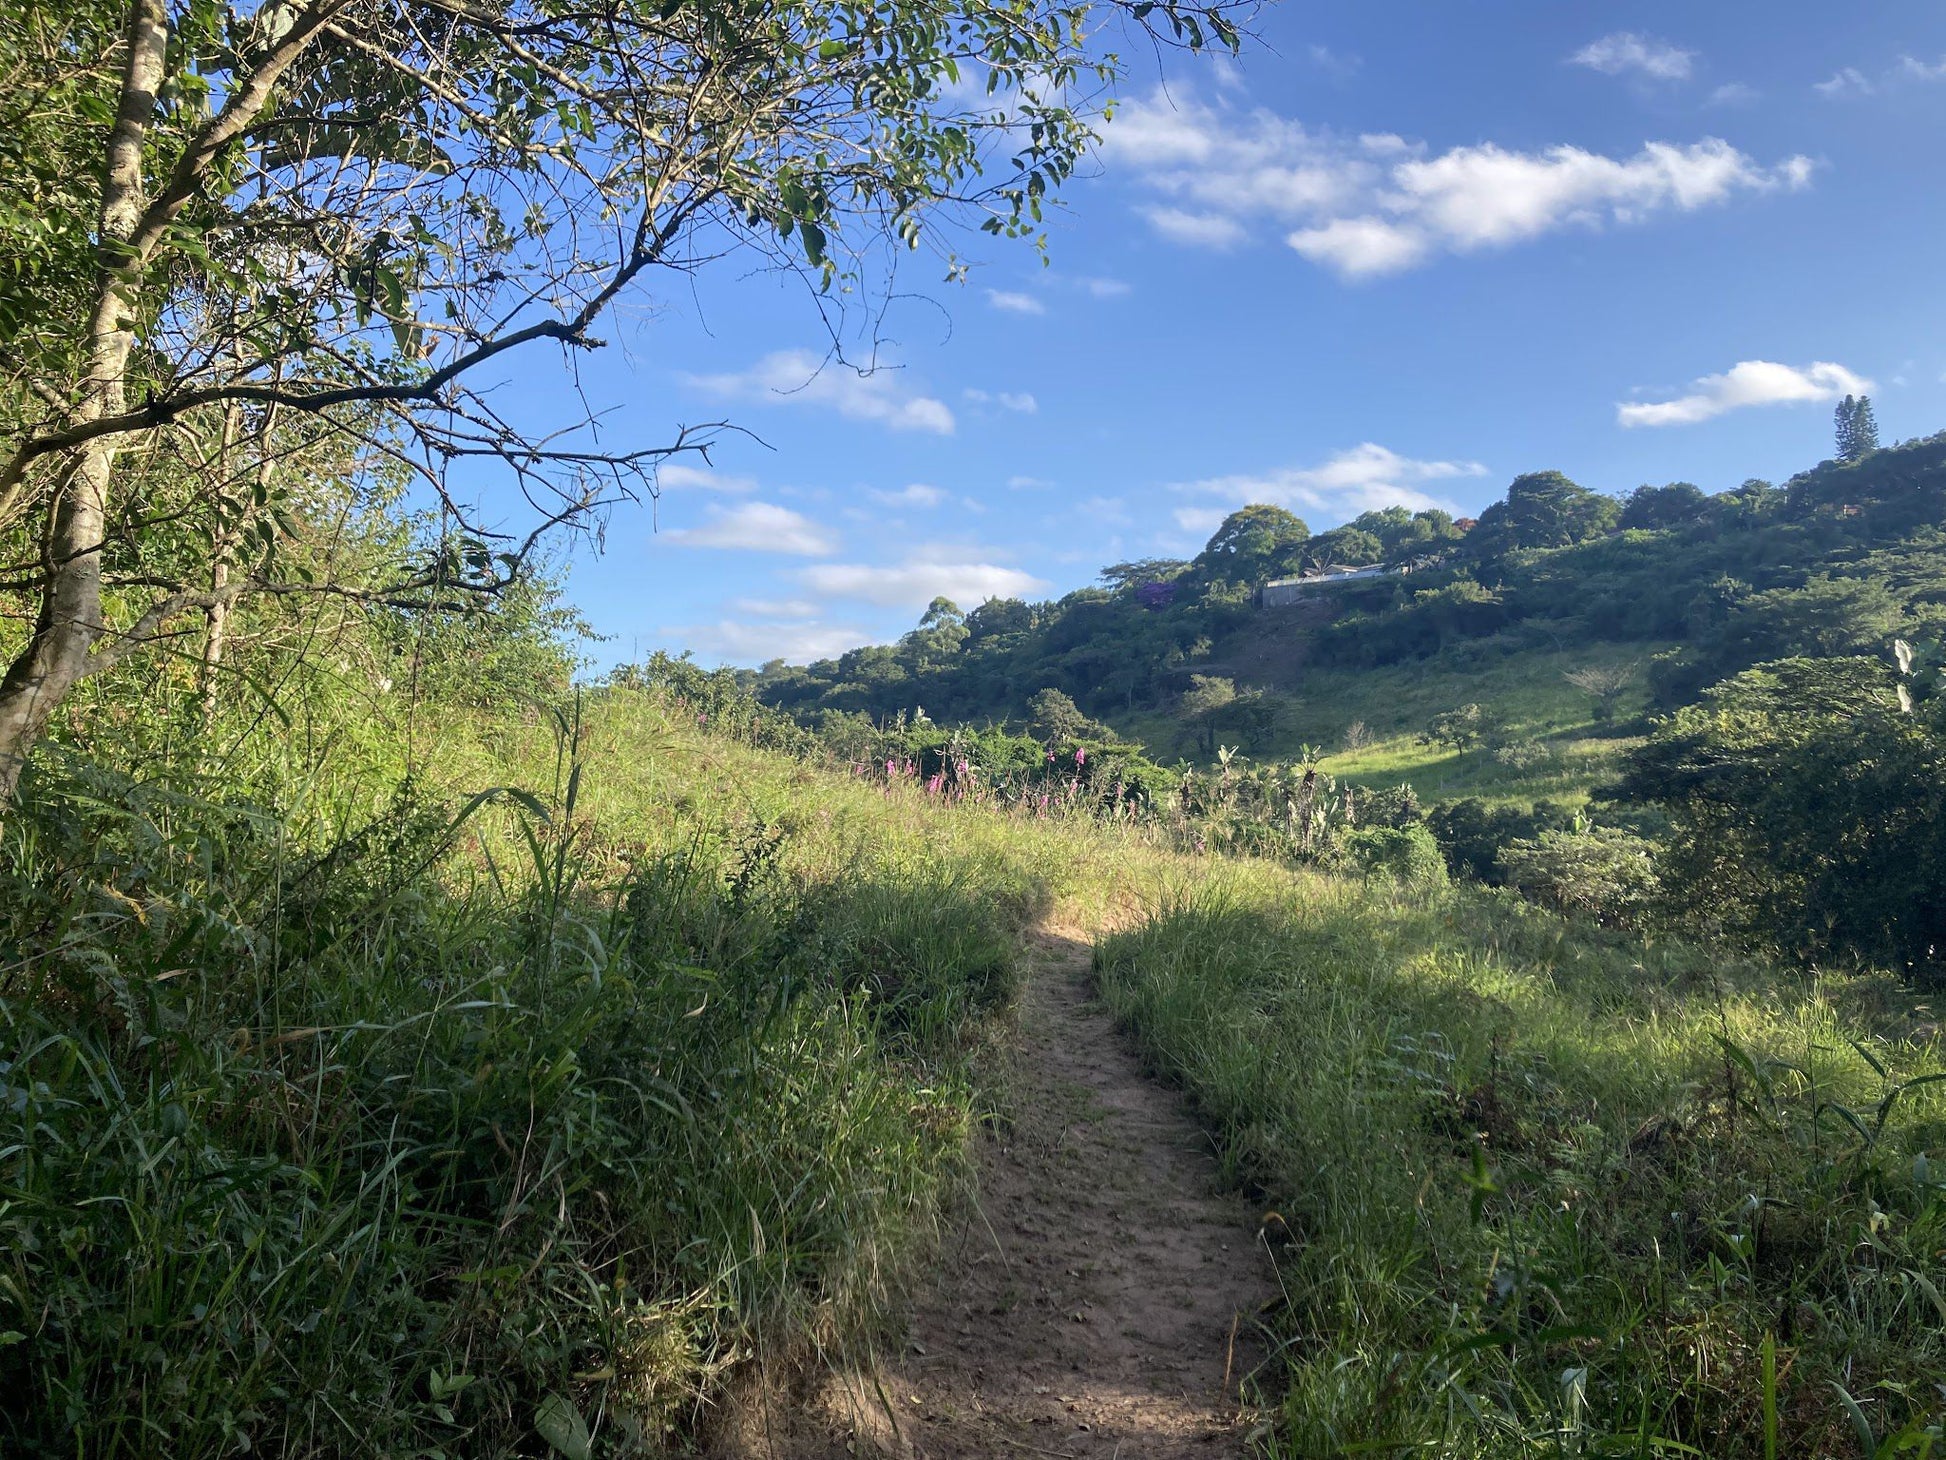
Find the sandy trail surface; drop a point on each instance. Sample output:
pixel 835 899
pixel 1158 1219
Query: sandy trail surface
pixel 1099 1298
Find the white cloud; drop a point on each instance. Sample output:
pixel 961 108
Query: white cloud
pixel 1199 230
pixel 1360 479
pixel 1015 303
pixel 799 376
pixel 1341 64
pixel 1914 69
pixel 1200 520
pixel 759 527
pixel 1734 93
pixel 1358 247
pixel 916 582
pixel 1747 383
pixel 916 495
pixel 1102 288
pixel 776 607
pixel 1027 484
pixel 678 476
pixel 1486 196
pixel 1011 400
pixel 1379 203
pixel 1111 511
pixel 797 640
pixel 1847 81
pixel 1624 50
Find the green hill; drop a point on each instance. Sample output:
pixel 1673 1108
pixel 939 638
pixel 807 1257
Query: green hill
pixel 1687 589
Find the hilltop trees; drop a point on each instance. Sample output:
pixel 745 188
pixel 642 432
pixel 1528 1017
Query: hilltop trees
pixel 1253 543
pixel 1542 509
pixel 1659 507
pixel 1857 428
pixel 233 231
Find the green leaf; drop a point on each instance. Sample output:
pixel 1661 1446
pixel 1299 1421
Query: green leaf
pixel 562 1426
pixel 831 50
pixel 1860 1426
pixel 813 237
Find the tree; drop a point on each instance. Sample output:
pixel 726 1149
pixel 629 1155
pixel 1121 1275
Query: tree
pixel 1462 728
pixel 1806 807
pixel 1659 507
pixel 1857 428
pixel 1605 684
pixel 1138 572
pixel 230 227
pixel 1207 697
pixel 1057 720
pixel 1542 510
pixel 1252 543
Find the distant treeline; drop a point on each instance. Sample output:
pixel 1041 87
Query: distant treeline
pixel 1839 560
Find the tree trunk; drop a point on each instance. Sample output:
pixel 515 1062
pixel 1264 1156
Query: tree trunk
pixel 69 620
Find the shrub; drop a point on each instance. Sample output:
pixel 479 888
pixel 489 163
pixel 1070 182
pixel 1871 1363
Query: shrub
pixel 1409 855
pixel 1472 834
pixel 1602 872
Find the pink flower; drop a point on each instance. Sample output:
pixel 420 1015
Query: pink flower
pixel 1081 757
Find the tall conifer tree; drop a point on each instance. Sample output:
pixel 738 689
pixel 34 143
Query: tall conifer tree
pixel 1857 427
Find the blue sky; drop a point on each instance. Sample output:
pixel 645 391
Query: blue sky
pixel 1400 252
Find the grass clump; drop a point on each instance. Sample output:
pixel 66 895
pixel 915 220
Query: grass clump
pixel 1549 1190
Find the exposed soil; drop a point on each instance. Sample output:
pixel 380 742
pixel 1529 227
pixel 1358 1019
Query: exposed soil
pixel 1099 1298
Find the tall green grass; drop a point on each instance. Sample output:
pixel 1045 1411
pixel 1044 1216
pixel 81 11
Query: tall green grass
pixel 385 1119
pixel 1540 1190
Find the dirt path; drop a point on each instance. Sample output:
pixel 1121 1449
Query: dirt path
pixel 1099 1301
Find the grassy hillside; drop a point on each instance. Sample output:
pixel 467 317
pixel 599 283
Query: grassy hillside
pixel 1841 560
pixel 1387 709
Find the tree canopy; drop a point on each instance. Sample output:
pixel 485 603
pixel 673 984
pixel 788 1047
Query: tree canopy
pixel 241 231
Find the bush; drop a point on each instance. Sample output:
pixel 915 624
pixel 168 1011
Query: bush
pixel 1408 855
pixel 1602 873
pixel 1472 834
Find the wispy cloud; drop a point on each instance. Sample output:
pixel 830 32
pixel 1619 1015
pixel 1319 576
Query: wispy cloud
pixel 793 638
pixel 1008 400
pixel 917 581
pixel 1846 81
pixel 799 377
pixel 676 476
pixel 1199 230
pixel 1379 203
pixel 1747 383
pixel 758 527
pixel 1339 65
pixel 1014 302
pixel 1356 480
pixel 1625 50
pixel 916 495
pixel 1101 288
pixel 1914 69
pixel 1734 93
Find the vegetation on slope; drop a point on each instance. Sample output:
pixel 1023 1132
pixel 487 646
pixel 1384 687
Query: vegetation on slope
pixel 1541 1190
